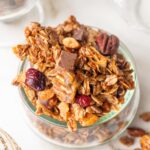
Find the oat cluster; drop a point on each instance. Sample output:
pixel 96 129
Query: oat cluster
pixel 76 73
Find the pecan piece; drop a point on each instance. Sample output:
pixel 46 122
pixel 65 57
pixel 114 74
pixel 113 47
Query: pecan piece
pixel 136 132
pixel 126 140
pixel 107 45
pixel 145 116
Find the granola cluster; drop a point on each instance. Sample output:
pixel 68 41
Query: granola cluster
pixel 76 74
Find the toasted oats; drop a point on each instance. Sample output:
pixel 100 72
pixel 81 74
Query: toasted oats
pixel 64 85
pixel 31 94
pixel 19 80
pixel 88 120
pixel 46 94
pixel 111 80
pixel 97 100
pixel 70 58
pixel 79 112
pixel 64 110
pixel 72 124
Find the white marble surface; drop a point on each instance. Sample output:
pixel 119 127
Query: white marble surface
pixel 98 13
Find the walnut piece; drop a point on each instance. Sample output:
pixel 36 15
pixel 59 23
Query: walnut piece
pixel 70 42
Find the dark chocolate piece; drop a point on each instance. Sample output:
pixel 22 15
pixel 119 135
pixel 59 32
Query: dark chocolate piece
pixel 80 34
pixel 67 60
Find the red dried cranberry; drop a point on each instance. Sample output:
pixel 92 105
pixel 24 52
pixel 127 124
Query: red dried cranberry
pixel 83 100
pixel 35 79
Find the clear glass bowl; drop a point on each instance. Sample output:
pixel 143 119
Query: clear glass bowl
pixel 107 128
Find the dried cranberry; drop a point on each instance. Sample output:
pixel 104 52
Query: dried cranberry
pixel 83 100
pixel 35 79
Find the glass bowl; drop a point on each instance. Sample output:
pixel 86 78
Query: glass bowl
pixel 105 129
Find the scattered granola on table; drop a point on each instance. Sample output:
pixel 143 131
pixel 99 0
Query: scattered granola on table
pixel 77 74
pixel 145 116
pixel 126 140
pixel 136 132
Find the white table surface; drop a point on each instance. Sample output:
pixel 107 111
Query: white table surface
pixel 98 13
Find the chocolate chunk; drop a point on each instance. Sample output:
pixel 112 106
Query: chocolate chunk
pixel 67 60
pixel 80 34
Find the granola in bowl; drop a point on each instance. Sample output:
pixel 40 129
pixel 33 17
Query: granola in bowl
pixel 77 74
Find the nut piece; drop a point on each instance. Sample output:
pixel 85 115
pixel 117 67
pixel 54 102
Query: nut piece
pixel 145 142
pixel 136 132
pixel 70 42
pixel 145 116
pixel 126 140
pixel 108 45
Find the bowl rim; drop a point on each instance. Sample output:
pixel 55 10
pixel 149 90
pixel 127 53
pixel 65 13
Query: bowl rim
pixel 110 115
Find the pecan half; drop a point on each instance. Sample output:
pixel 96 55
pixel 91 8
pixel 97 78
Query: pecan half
pixel 145 116
pixel 136 132
pixel 107 45
pixel 126 140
